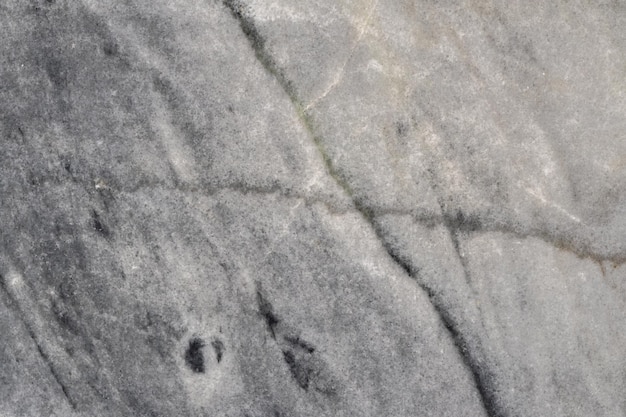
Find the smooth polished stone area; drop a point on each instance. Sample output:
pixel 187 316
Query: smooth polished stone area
pixel 265 208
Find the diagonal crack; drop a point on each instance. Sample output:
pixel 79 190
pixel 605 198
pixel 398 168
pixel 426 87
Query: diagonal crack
pixel 481 376
pixel 485 379
pixel 40 348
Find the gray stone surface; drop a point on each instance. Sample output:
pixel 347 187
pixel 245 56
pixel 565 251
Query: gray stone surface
pixel 312 208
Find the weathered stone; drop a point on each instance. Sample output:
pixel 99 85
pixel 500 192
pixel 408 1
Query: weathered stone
pixel 296 208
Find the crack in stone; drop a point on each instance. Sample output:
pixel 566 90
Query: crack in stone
pixel 483 378
pixel 245 189
pixel 471 224
pixel 472 358
pixel 241 14
pixel 368 213
pixel 40 349
pixel 110 191
pixel 257 43
pixel 558 239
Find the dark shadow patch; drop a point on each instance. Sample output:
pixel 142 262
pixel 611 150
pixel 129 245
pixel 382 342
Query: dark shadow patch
pixel 98 225
pixel 218 347
pixel 310 371
pixel 267 311
pixel 299 369
pixel 194 357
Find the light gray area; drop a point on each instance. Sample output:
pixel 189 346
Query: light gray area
pixel 312 208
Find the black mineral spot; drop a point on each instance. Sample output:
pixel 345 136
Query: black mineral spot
pixel 218 347
pixel 67 165
pixel 194 357
pixel 98 225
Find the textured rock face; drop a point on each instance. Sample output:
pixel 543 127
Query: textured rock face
pixel 312 208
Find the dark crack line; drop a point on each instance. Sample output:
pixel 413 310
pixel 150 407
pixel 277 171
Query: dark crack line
pixel 466 223
pixel 472 358
pixel 429 219
pixel 209 190
pixel 426 218
pixel 240 12
pixel 473 361
pixel 558 238
pixel 479 374
pixel 456 225
pixel 55 374
pixel 44 355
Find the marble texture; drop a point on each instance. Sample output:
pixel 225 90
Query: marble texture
pixel 257 208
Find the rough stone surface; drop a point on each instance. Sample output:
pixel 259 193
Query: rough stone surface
pixel 257 208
